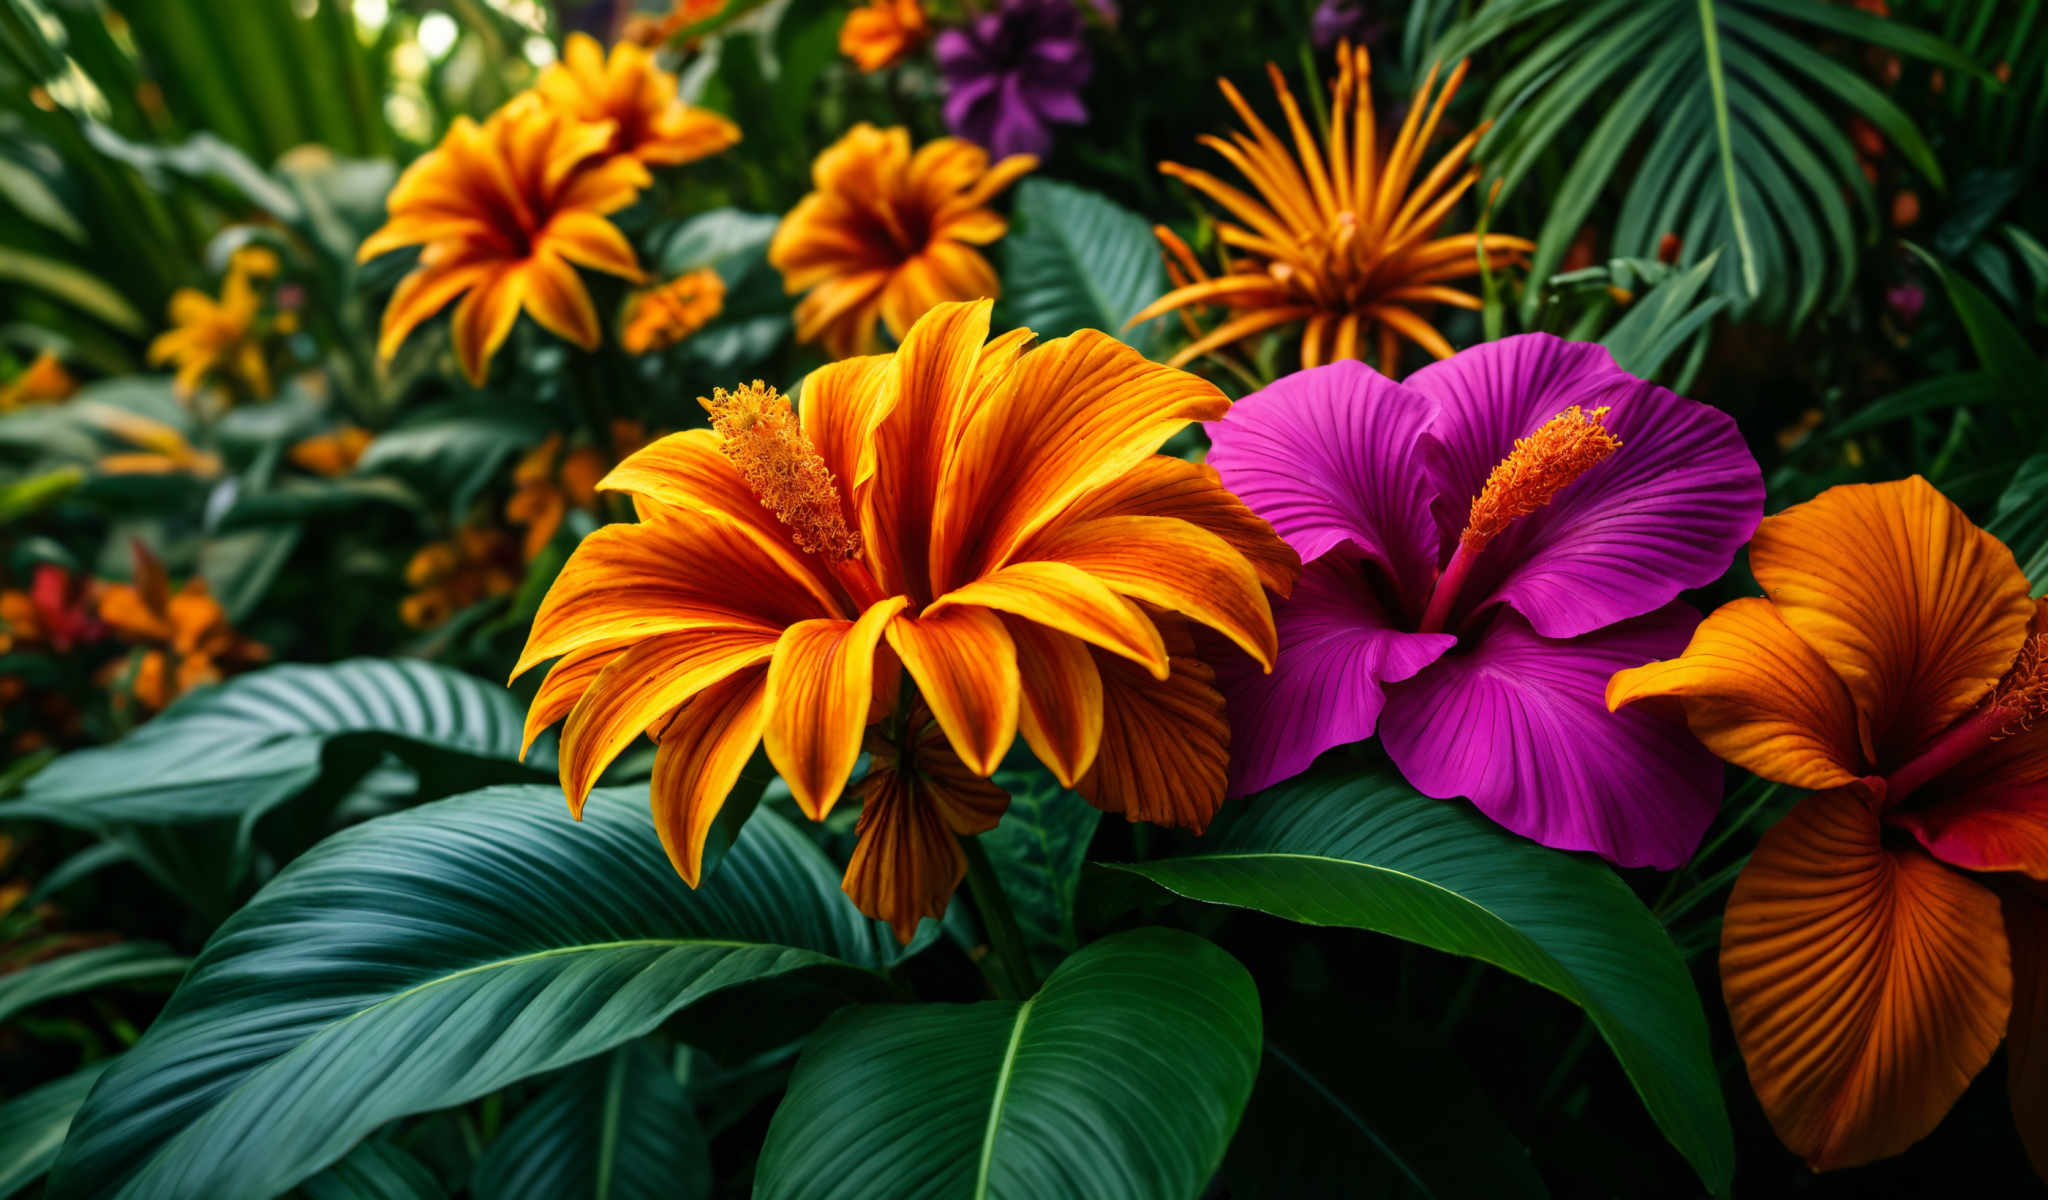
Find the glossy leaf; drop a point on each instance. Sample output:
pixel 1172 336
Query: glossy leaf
pixel 1366 851
pixel 121 964
pixel 1077 260
pixel 614 1126
pixel 33 1125
pixel 424 959
pixel 375 1171
pixel 1124 1076
pixel 1038 851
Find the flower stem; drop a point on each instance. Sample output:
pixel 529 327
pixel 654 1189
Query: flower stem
pixel 1445 593
pixel 1013 979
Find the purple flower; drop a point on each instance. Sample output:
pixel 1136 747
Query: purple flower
pixel 1479 653
pixel 1342 20
pixel 1013 73
pixel 1906 301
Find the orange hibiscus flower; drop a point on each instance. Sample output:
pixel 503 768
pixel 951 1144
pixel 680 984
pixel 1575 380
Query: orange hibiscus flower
pixel 888 234
pixel 648 120
pixel 506 211
pixel 1899 669
pixel 807 582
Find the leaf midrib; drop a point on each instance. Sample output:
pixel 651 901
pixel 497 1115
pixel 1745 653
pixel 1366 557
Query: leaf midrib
pixel 1002 1094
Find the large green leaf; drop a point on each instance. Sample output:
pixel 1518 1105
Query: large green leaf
pixel 618 1125
pixel 375 1171
pixel 33 1125
pixel 1124 1076
pixel 1364 850
pixel 2021 520
pixel 1038 851
pixel 453 453
pixel 427 958
pixel 1078 261
pixel 87 971
pixel 222 759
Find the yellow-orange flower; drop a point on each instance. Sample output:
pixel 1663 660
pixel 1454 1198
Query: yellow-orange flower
pixel 1881 939
pixel 888 234
pixel 44 381
pixel 651 32
pixel 1336 238
pixel 546 483
pixel 183 639
pixel 882 33
pixel 331 454
pixel 223 336
pixel 159 448
pixel 659 317
pixel 982 531
pixel 649 121
pixel 479 562
pixel 506 211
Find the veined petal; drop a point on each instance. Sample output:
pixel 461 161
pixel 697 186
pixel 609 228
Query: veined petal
pixel 484 319
pixel 565 684
pixel 1757 696
pixel 908 862
pixel 1519 724
pixel 1330 456
pixel 966 668
pixel 1918 610
pixel 557 299
pixel 1165 745
pixel 1062 596
pixel 424 291
pixel 841 405
pixel 1987 828
pixel 1337 651
pixel 820 687
pixel 1867 986
pixel 584 238
pixel 698 759
pixel 1173 487
pixel 2026 1032
pixel 1060 709
pixel 640 688
pixel 932 370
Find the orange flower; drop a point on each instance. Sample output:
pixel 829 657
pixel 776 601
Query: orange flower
pixel 221 336
pixel 506 210
pixel 477 564
pixel 44 381
pixel 659 317
pixel 1899 668
pixel 966 530
pixel 651 32
pixel 183 638
pixel 159 448
pixel 648 121
pixel 331 454
pixel 889 234
pixel 1337 239
pixel 546 483
pixel 882 33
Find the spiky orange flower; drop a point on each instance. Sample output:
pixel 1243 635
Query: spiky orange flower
pixel 183 639
pixel 1338 238
pixel 332 454
pixel 223 336
pixel 506 211
pixel 882 33
pixel 889 234
pixel 659 317
pixel 962 530
pixel 649 121
pixel 44 381
pixel 479 562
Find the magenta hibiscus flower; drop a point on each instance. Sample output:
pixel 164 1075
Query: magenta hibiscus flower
pixel 1484 545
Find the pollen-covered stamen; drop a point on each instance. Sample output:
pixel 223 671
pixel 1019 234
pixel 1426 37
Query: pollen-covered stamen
pixel 2021 698
pixel 759 432
pixel 1536 470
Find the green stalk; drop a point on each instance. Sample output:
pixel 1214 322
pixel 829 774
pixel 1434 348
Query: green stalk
pixel 1014 980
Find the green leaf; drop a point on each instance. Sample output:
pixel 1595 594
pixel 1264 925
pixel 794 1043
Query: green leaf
pixel 424 959
pixel 1079 261
pixel 2021 520
pixel 1038 851
pixel 200 159
pixel 375 1171
pixel 31 196
pixel 33 1125
pixel 454 453
pixel 618 1125
pixel 2002 349
pixel 85 971
pixel 1365 851
pixel 1124 1076
pixel 1657 325
pixel 73 285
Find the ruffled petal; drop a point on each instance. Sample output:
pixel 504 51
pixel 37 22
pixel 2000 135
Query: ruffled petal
pixel 1060 708
pixel 1332 456
pixel 966 668
pixel 1867 986
pixel 1918 610
pixel 1519 724
pixel 1165 745
pixel 820 688
pixel 1665 512
pixel 1757 696
pixel 699 757
pixel 1338 650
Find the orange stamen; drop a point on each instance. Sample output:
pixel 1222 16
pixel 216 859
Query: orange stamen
pixel 2022 696
pixel 758 431
pixel 1537 469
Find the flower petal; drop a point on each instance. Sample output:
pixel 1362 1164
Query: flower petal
pixel 1867 986
pixel 698 759
pixel 820 687
pixel 1173 487
pixel 484 319
pixel 640 688
pixel 1918 610
pixel 1985 828
pixel 557 299
pixel 1332 456
pixel 842 404
pixel 966 668
pixel 564 685
pixel 1060 708
pixel 1519 724
pixel 1757 696
pixel 1064 597
pixel 1165 745
pixel 1664 513
pixel 1337 650
pixel 932 369
pixel 908 862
